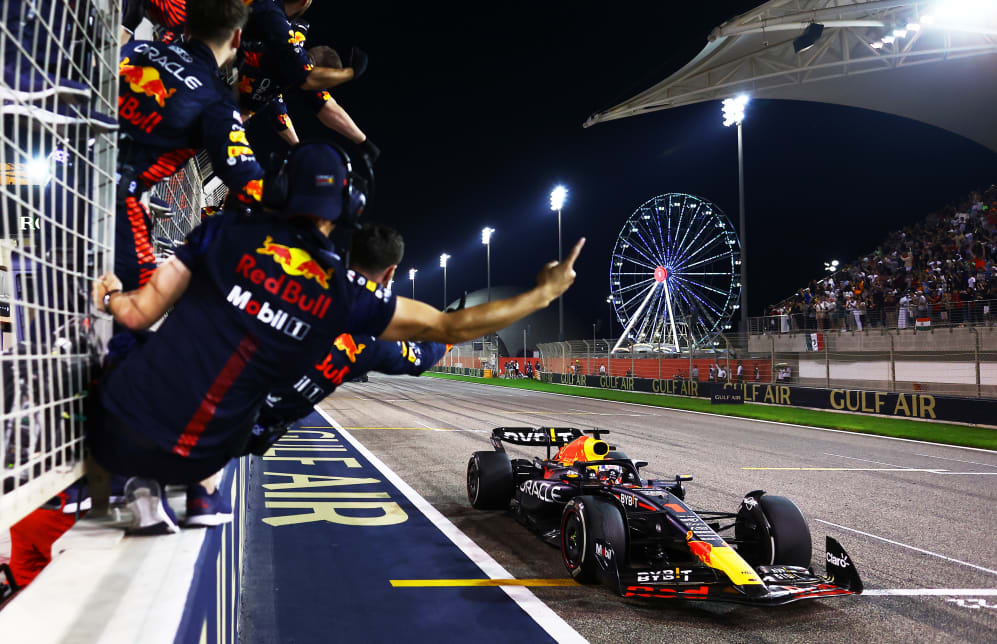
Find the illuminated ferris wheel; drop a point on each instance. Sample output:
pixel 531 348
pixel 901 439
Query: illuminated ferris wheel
pixel 675 274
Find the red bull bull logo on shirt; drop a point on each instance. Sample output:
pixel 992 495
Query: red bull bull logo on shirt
pixel 145 80
pixel 348 345
pixel 296 261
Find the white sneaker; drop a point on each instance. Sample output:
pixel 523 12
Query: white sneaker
pixel 153 514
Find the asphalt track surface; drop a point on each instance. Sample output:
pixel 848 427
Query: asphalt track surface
pixel 917 519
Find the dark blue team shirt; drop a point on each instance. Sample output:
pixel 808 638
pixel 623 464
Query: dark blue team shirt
pixel 171 103
pixel 351 356
pixel 266 296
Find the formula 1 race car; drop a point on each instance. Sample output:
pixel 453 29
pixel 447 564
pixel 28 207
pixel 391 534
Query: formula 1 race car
pixel 639 537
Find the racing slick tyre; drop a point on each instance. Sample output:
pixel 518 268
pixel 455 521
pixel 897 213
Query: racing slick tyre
pixel 489 481
pixel 593 536
pixel 786 543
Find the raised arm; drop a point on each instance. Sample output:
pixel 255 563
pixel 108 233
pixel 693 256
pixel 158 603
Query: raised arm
pixel 414 320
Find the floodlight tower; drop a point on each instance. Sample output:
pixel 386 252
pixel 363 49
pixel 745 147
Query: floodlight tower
pixel 733 111
pixel 486 239
pixel 557 196
pixel 443 264
pixel 411 276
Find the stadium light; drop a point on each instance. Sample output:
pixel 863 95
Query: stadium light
pixel 733 112
pixel 808 38
pixel 733 109
pixel 443 264
pixel 557 196
pixel 486 239
pixel 411 276
pixel 37 170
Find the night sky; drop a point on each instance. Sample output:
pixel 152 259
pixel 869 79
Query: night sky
pixel 479 112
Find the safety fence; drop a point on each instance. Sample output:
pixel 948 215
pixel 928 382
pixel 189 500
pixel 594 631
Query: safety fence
pixel 470 358
pixel 959 361
pixel 914 314
pixel 57 154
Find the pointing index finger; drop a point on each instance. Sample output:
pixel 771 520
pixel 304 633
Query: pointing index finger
pixel 573 255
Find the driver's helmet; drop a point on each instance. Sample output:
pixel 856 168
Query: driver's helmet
pixel 610 473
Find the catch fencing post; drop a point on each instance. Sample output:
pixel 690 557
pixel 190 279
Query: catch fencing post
pixel 893 364
pixel 976 359
pixel 827 363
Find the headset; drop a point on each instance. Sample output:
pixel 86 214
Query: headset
pixel 357 192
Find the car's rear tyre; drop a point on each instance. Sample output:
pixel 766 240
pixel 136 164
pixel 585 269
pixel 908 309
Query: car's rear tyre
pixel 585 520
pixel 786 543
pixel 489 480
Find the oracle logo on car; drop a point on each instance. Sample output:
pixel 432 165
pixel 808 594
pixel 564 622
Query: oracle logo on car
pixel 542 490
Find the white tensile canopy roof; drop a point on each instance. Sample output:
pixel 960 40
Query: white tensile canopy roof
pixel 941 67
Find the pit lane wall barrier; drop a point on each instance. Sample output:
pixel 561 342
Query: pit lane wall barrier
pixel 976 411
pixel 211 612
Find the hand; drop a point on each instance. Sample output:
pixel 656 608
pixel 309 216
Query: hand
pixel 358 61
pixel 555 278
pixel 106 282
pixel 370 152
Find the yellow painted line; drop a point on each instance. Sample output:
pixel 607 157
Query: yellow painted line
pixel 841 469
pixel 450 583
pixel 317 427
pixel 430 429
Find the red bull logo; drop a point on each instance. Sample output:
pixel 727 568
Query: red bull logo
pixel 295 37
pixel 145 80
pixel 348 345
pixel 296 261
pixel 701 549
pixel 253 58
pixel 246 85
pixel 254 189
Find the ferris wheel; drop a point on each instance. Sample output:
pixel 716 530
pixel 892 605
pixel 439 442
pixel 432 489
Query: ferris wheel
pixel 675 274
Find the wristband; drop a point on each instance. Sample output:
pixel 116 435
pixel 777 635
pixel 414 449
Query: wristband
pixel 107 299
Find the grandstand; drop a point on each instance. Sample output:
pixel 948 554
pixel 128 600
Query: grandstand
pixel 938 272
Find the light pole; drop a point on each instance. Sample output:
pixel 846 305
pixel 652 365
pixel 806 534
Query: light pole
pixel 486 239
pixel 411 276
pixel 733 110
pixel 443 264
pixel 609 301
pixel 557 196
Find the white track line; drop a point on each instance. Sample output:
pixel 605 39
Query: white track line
pixel 542 614
pixel 956 460
pixel 866 460
pixel 930 592
pixel 904 545
pixel 752 420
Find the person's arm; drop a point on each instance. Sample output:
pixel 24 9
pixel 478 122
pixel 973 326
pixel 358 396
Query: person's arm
pixel 139 309
pixel 326 77
pixel 414 320
pixel 333 116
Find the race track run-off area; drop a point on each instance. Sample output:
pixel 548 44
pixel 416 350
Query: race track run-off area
pixel 361 530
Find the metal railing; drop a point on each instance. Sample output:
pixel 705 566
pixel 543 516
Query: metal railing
pixel 959 361
pixel 469 358
pixel 57 154
pixel 929 315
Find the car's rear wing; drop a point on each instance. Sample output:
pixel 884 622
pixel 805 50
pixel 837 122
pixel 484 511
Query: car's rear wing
pixel 534 436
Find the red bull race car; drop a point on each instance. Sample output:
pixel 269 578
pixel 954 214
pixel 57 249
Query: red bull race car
pixel 639 536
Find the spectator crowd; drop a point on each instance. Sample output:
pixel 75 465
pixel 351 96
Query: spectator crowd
pixel 941 269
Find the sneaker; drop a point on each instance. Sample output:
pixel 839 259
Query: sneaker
pixel 206 509
pixel 153 514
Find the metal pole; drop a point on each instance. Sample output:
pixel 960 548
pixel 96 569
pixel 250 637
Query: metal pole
pixel 893 365
pixel 827 365
pixel 444 287
pixel 976 357
pixel 560 299
pixel 413 288
pixel 743 231
pixel 488 255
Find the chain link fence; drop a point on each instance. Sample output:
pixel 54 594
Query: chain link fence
pixel 959 361
pixel 57 152
pixel 913 315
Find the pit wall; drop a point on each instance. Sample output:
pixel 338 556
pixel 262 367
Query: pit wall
pixel 976 411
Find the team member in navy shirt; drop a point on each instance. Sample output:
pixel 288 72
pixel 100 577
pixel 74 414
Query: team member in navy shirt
pixel 171 104
pixel 375 254
pixel 255 299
